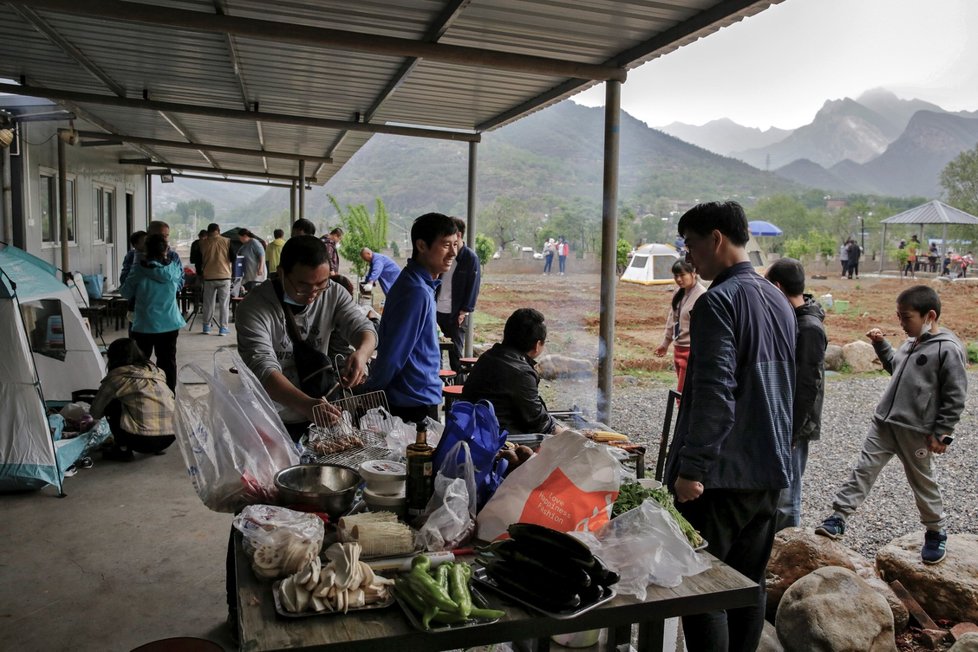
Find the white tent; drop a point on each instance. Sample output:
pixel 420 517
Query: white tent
pixel 49 353
pixel 651 264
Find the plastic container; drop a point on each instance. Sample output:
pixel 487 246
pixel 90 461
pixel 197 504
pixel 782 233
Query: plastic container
pixel 826 301
pixel 396 503
pixel 384 476
pixel 577 639
pixel 840 305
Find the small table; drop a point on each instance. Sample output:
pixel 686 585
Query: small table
pixel 720 587
pixel 94 315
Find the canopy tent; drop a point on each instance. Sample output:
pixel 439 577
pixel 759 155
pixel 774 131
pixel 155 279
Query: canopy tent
pixel 651 264
pixel 933 212
pixel 762 228
pixel 49 354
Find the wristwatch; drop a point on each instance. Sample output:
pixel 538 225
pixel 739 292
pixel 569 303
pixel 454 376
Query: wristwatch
pixel 945 439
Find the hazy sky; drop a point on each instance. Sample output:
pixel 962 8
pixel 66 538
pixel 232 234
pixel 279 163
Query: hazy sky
pixel 779 67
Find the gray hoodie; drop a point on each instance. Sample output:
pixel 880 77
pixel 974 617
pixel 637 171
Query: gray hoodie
pixel 927 391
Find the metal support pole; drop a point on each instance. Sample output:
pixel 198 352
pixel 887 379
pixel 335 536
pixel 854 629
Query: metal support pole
pixel 470 235
pixel 63 206
pixel 609 242
pixel 302 189
pixel 291 206
pixel 8 200
pixel 882 248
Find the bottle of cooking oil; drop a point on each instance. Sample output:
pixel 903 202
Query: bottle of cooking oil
pixel 420 473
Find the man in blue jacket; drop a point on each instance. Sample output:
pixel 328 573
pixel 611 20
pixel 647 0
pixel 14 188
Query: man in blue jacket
pixel 382 269
pixel 408 357
pixel 457 296
pixel 731 455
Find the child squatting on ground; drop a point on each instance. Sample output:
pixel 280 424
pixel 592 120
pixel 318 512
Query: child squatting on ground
pixel 915 418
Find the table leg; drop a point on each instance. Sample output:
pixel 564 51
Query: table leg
pixel 619 636
pixel 651 635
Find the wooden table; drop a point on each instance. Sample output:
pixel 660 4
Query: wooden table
pixel 720 587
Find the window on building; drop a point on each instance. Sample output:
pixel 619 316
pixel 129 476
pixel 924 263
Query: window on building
pixel 50 229
pixel 104 219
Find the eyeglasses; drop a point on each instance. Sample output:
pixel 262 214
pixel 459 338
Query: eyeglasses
pixel 302 289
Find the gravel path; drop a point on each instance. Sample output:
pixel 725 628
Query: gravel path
pixel 638 408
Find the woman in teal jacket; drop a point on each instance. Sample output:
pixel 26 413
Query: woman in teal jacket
pixel 153 283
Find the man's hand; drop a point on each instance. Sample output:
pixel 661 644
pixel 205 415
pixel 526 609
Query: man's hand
pixel 661 350
pixel 875 334
pixel 558 428
pixel 355 371
pixel 461 317
pixel 935 446
pixel 687 490
pixel 325 416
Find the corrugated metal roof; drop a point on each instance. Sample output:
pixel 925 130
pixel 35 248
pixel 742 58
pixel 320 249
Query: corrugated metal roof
pixel 933 212
pixel 174 54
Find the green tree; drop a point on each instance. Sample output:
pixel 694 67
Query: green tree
pixel 484 248
pixel 797 248
pixel 504 221
pixel 360 230
pixel 960 181
pixel 621 254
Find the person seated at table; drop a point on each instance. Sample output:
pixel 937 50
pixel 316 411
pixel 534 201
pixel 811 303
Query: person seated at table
pixel 505 376
pixel 137 402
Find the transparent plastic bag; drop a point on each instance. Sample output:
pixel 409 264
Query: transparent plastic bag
pixel 277 540
pixel 400 434
pixel 644 546
pixel 451 511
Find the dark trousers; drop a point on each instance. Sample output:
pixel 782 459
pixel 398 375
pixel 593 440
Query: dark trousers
pixel 146 444
pixel 548 262
pixel 165 345
pixel 448 324
pixel 739 526
pixel 853 267
pixel 415 413
pixel 562 260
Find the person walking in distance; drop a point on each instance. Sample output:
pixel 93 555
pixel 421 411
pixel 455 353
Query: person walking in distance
pixel 332 242
pixel 456 297
pixel 855 251
pixel 844 257
pixel 677 324
pixel 216 260
pixel 562 250
pixel 548 255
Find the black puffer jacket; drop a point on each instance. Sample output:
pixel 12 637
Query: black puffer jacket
pixel 506 378
pixel 809 371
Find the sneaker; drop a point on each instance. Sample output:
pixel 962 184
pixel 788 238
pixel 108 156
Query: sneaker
pixel 935 547
pixel 833 527
pixel 223 332
pixel 207 329
pixel 118 455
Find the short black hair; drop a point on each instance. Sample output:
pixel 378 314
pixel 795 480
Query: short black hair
pixel 124 352
pixel 303 227
pixel 245 232
pixel 278 233
pixel 429 227
pixel 202 233
pixel 213 227
pixel 727 217
pixel 682 267
pixel 305 250
pixel 921 299
pixel 155 246
pixel 136 238
pixel 524 328
pixel 460 223
pixel 790 274
pixel 337 231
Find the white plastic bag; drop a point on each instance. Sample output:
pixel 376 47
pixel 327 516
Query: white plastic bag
pixel 399 434
pixel 232 448
pixel 645 546
pixel 277 540
pixel 570 484
pixel 450 513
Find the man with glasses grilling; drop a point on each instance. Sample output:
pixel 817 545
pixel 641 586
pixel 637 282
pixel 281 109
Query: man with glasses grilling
pixel 316 306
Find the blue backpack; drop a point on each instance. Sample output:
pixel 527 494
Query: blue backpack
pixel 477 426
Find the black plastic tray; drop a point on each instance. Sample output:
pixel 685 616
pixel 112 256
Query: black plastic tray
pixel 280 610
pixel 478 600
pixel 479 575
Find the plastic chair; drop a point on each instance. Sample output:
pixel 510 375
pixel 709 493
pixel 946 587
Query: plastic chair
pixel 671 403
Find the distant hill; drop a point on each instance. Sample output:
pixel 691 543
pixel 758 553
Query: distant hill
pixel 224 196
pixel 724 136
pixel 553 154
pixel 811 174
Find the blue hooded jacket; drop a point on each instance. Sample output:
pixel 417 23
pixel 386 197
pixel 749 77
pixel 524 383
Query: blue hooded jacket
pixel 155 286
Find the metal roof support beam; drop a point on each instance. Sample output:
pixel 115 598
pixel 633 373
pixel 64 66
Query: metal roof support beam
pixel 237 114
pixel 253 182
pixel 302 190
pixel 609 245
pixel 199 146
pixel 470 235
pixel 331 38
pixel 204 168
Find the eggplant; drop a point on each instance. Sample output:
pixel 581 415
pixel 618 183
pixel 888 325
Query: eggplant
pixel 548 598
pixel 550 542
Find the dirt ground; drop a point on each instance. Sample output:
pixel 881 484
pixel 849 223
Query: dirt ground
pixel 571 304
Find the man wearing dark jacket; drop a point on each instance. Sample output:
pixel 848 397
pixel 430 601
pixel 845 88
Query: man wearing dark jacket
pixel 505 376
pixel 457 296
pixel 731 455
pixel 788 275
pixel 855 251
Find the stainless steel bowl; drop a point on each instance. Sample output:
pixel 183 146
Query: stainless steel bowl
pixel 326 488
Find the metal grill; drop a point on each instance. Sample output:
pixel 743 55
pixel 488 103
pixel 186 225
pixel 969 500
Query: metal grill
pixel 354 425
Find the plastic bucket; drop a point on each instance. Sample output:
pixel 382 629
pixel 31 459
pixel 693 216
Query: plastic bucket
pixel 840 305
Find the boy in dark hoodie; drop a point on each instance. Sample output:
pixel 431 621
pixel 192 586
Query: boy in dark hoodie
pixel 914 420
pixel 788 275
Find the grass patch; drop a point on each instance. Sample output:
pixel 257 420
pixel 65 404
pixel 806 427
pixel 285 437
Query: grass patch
pixel 972 352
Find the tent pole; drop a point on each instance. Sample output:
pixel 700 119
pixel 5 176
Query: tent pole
pixel 609 243
pixel 63 205
pixel 470 237
pixel 882 249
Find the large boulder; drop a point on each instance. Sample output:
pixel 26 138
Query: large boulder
pixel 833 357
pixel 860 356
pixel 833 610
pixel 797 552
pixel 967 643
pixel 554 366
pixel 946 590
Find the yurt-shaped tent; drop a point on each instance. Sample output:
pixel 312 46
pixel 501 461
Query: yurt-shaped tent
pixel 49 353
pixel 651 264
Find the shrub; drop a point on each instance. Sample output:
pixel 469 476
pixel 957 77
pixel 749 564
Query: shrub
pixel 972 352
pixel 484 248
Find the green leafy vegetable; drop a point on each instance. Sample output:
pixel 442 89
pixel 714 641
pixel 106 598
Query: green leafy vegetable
pixel 632 494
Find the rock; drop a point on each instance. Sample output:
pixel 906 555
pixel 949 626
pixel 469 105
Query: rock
pixel 961 629
pixel 769 640
pixel 967 643
pixel 552 366
pixel 833 357
pixel 860 356
pixel 866 570
pixel 948 590
pixel 833 610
